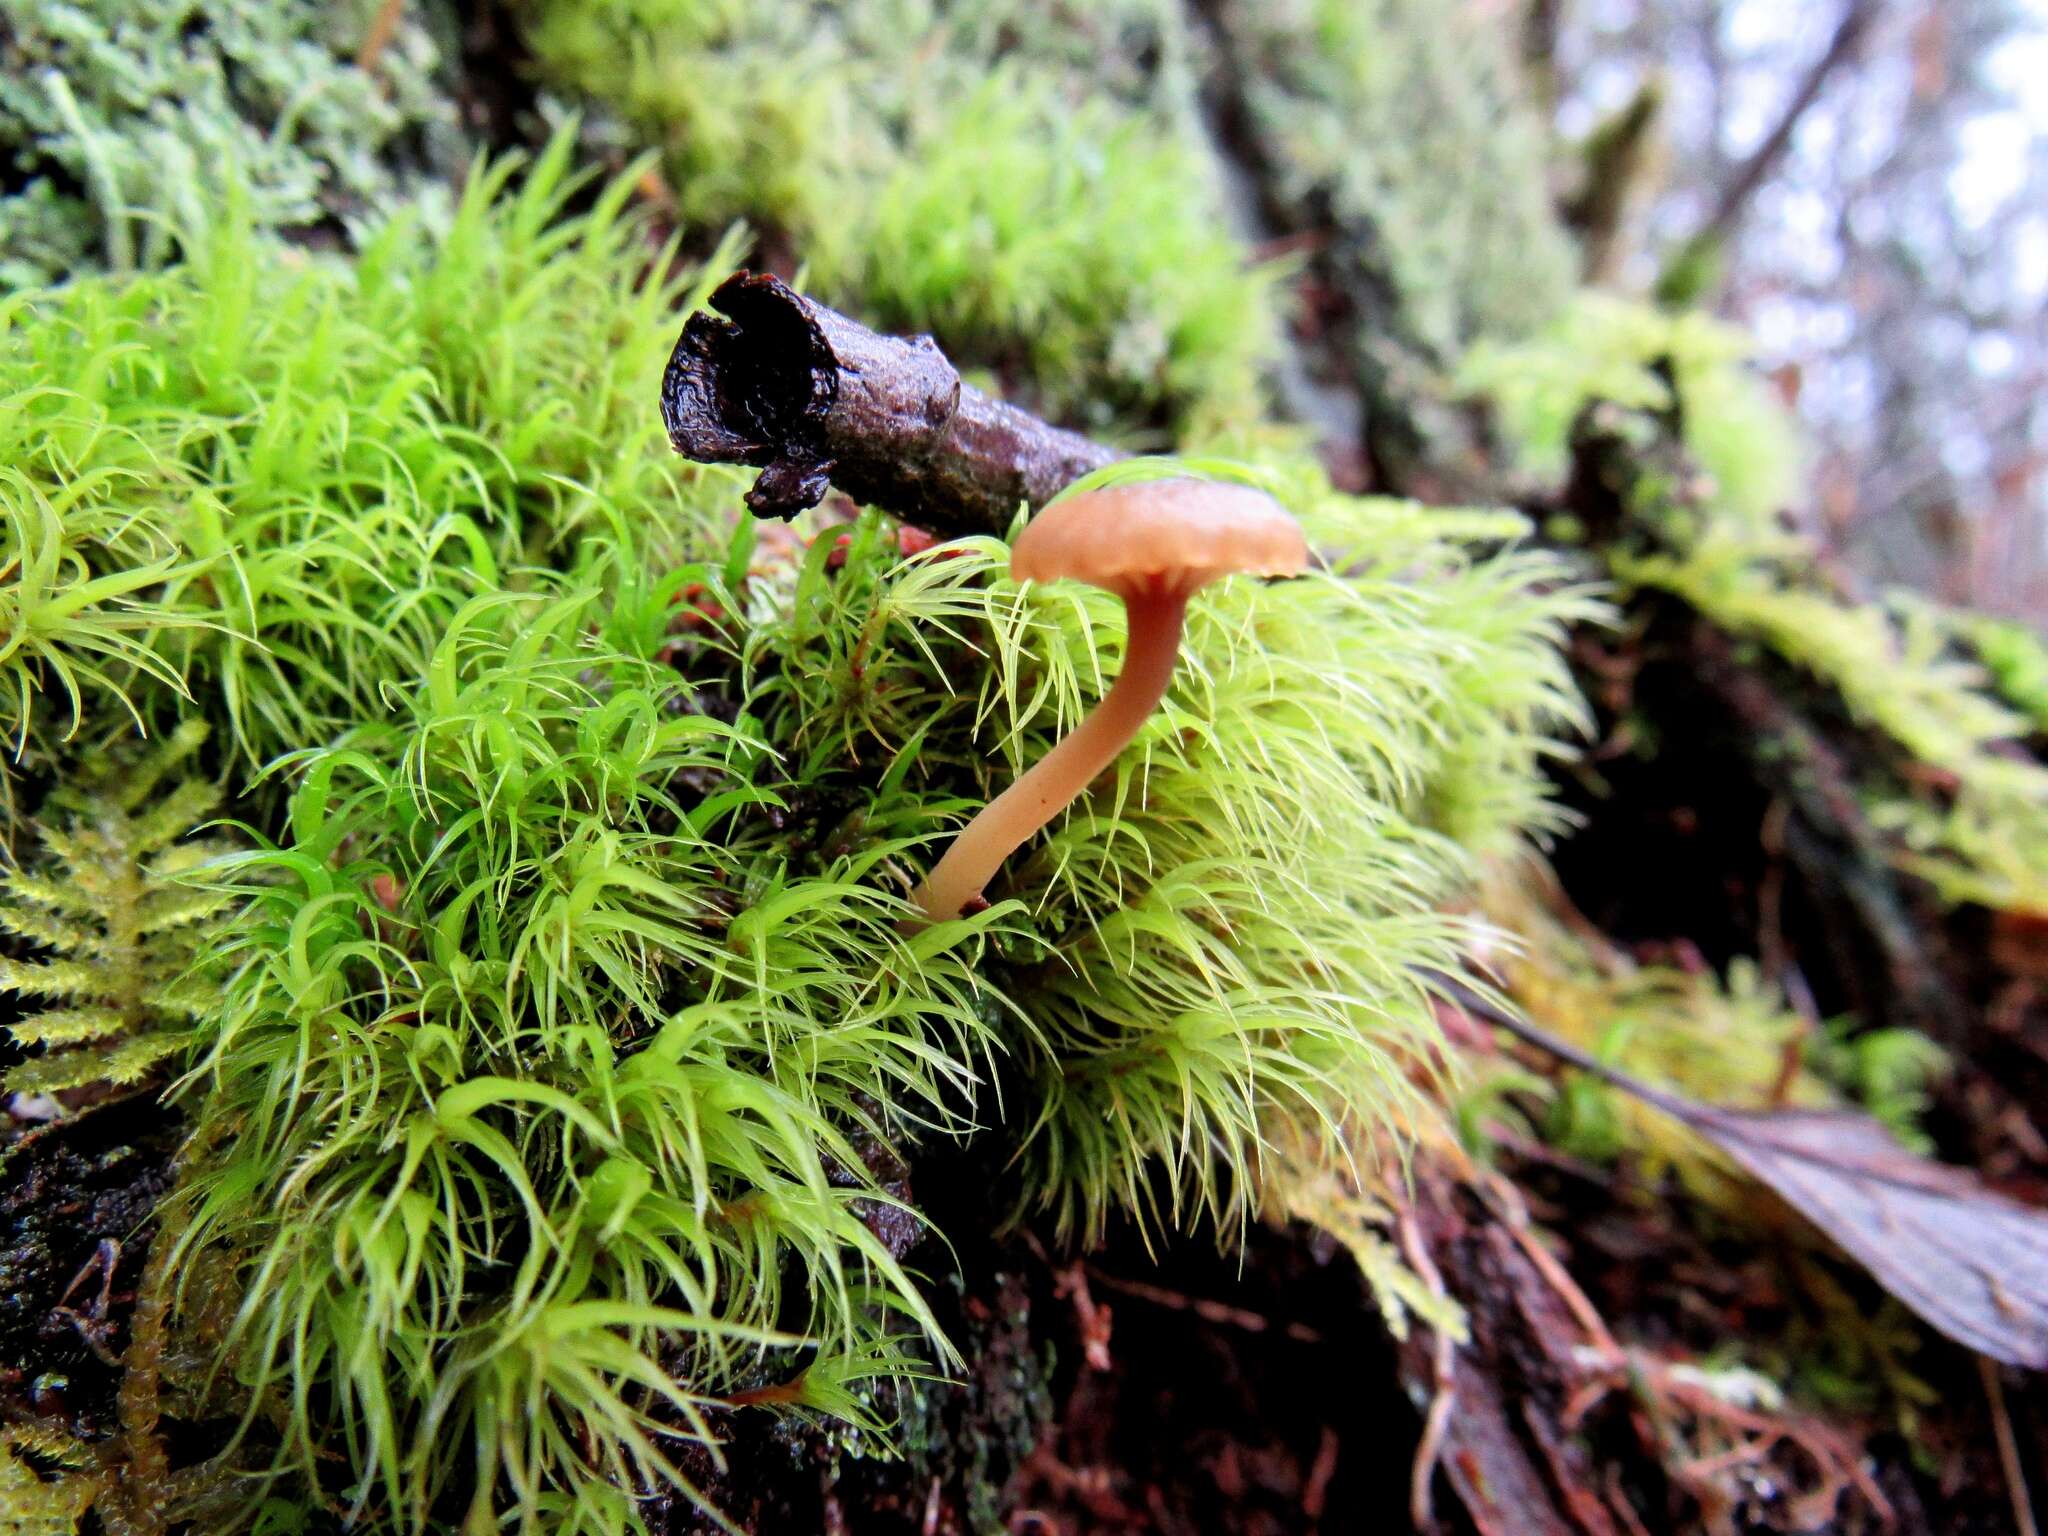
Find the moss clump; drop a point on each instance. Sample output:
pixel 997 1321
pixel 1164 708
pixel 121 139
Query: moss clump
pixel 1639 358
pixel 1732 1039
pixel 1057 221
pixel 500 1031
pixel 47 1483
pixel 569 981
pixel 1405 126
pixel 122 121
pixel 1080 244
pixel 1975 822
pixel 2016 658
pixel 566 979
pixel 1972 817
pixel 738 100
pixel 1729 1039
pixel 262 485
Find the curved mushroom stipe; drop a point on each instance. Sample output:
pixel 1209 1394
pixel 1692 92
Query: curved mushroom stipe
pixel 1070 767
pixel 1154 543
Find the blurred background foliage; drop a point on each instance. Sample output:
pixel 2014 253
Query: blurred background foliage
pixel 1862 186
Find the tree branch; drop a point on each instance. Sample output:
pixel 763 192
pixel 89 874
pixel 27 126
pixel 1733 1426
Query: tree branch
pixel 814 400
pixel 1735 196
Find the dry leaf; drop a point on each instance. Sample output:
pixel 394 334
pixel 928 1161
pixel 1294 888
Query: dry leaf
pixel 1971 1262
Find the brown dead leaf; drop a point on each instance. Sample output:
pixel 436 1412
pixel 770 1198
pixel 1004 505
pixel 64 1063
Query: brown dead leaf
pixel 1968 1260
pixel 1971 1262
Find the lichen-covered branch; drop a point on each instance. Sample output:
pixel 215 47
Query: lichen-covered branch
pixel 814 400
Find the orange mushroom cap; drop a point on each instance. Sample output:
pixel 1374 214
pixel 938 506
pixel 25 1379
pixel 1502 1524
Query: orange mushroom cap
pixel 1160 536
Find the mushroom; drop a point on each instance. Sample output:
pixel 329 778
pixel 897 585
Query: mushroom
pixel 1154 543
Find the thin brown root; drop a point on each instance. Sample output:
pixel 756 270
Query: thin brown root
pixel 1443 1370
pixel 1559 1278
pixel 2023 1520
pixel 383 26
pixel 1208 1311
pixel 1093 1317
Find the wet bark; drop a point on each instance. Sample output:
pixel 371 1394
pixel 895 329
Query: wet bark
pixel 816 400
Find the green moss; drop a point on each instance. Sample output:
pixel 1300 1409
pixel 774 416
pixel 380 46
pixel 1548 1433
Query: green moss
pixel 1405 121
pixel 1972 818
pixel 264 483
pixel 571 968
pixel 1729 1038
pixel 1977 827
pixel 974 171
pixel 444 1044
pixel 50 1499
pixel 1041 192
pixel 1639 358
pixel 2016 658
pixel 124 120
pixel 1080 242
pixel 738 99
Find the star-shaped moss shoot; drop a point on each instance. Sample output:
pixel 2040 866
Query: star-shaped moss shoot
pixel 1154 543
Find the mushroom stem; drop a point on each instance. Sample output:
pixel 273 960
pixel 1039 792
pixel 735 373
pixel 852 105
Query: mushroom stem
pixel 1151 646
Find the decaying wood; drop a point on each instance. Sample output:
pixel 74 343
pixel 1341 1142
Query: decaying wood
pixel 1506 1449
pixel 1551 1426
pixel 1887 953
pixel 815 400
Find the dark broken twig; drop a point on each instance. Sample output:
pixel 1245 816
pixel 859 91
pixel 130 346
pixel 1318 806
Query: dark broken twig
pixel 816 400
